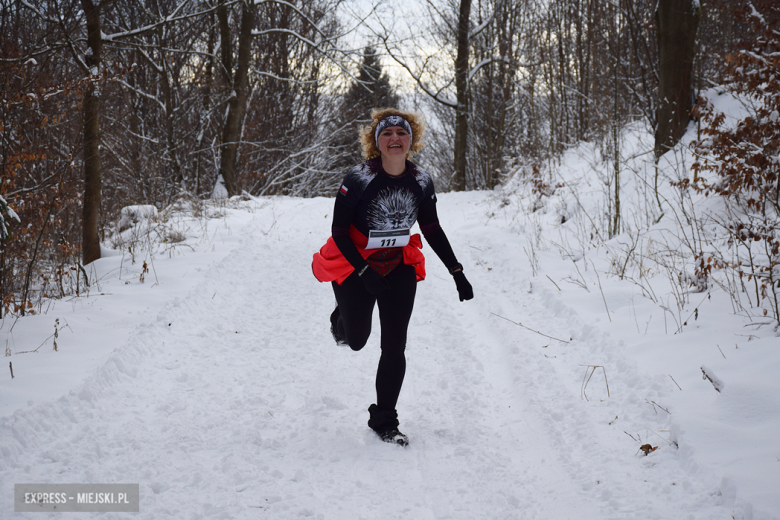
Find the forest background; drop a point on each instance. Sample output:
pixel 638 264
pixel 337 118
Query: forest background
pixel 114 103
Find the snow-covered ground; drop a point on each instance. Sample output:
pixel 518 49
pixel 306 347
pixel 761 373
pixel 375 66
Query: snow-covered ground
pixel 214 383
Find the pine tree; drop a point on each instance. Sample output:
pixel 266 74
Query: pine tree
pixel 372 89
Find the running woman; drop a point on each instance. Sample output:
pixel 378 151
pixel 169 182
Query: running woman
pixel 372 257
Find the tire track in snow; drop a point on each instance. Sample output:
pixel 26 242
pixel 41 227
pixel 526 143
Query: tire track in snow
pixel 505 456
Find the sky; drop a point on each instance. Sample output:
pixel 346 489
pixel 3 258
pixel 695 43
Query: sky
pixel 394 15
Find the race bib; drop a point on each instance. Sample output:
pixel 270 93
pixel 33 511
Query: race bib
pixel 390 238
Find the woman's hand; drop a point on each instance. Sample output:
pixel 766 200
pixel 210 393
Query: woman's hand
pixel 465 292
pixel 374 282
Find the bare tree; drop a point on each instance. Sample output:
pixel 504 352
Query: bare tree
pixel 81 33
pixel 497 90
pixel 437 72
pixel 462 95
pixel 237 81
pixel 313 28
pixel 159 107
pixel 288 146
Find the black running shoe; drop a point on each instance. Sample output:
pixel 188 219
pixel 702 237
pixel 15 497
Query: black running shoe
pixel 394 437
pixel 334 319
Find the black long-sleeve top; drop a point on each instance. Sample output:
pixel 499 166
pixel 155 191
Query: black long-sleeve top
pixel 372 200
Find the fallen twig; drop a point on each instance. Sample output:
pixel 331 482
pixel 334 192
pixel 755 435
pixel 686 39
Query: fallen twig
pixel 532 330
pixel 759 324
pixel 57 328
pixel 667 442
pixel 712 378
pixel 39 346
pixel 555 284
pixel 585 383
pixel 654 404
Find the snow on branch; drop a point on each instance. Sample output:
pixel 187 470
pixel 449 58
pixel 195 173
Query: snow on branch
pixel 291 80
pixel 141 93
pixel 501 59
pixel 298 11
pixel 167 20
pixel 418 78
pixel 6 212
pixel 708 375
pixel 755 14
pixel 34 9
pixel 484 24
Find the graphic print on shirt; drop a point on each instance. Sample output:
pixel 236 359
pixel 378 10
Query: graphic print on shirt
pixel 363 174
pixel 393 208
pixel 423 178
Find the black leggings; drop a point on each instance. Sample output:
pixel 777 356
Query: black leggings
pixel 356 306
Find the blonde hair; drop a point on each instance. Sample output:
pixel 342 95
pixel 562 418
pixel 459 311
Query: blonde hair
pixel 416 121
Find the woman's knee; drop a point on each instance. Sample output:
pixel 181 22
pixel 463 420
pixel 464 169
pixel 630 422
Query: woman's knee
pixel 393 349
pixel 357 339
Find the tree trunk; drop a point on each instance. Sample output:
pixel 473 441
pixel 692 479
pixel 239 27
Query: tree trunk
pixel 232 131
pixel 225 43
pixel 204 110
pixel 175 176
pixel 677 22
pixel 461 86
pixel 90 245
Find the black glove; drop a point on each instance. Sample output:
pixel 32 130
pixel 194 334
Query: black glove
pixel 374 282
pixel 465 292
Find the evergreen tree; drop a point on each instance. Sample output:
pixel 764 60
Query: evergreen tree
pixel 371 90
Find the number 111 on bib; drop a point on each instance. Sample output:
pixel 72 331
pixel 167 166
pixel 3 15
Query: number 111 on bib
pixel 389 238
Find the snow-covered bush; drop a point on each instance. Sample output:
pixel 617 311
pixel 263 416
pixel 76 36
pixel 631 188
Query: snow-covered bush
pixel 131 215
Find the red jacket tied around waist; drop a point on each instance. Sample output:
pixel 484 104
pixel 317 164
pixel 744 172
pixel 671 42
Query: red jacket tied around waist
pixel 329 264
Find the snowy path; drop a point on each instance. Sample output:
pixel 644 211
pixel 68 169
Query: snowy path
pixel 235 402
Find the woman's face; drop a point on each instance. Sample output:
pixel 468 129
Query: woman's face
pixel 393 141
